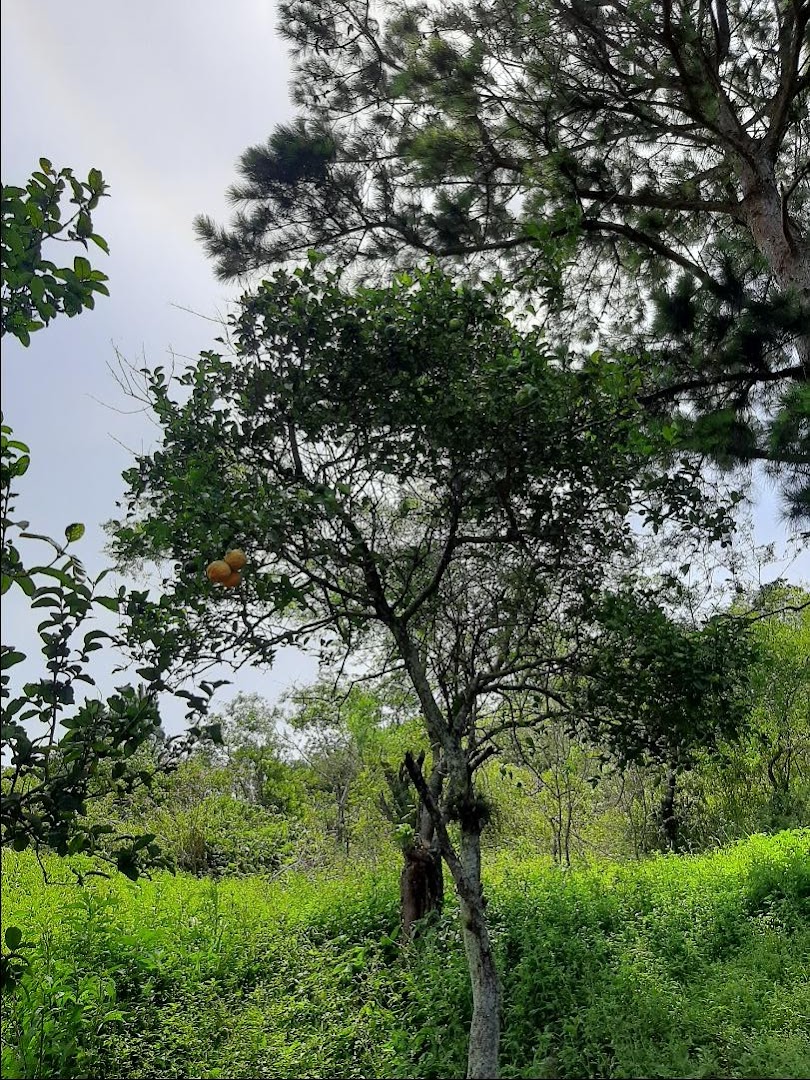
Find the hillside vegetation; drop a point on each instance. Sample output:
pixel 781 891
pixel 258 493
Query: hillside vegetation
pixel 689 966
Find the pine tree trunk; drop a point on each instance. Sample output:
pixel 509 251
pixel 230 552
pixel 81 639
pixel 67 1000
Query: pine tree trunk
pixel 787 252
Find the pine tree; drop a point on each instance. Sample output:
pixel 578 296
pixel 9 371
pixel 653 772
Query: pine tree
pixel 641 169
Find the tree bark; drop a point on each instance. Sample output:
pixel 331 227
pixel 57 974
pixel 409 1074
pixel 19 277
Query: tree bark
pixel 762 208
pixel 670 824
pixel 485 1025
pixel 787 252
pixel 421 886
pixel 465 867
pixel 341 825
pixel 421 881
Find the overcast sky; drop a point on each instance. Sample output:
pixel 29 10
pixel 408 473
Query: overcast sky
pixel 162 98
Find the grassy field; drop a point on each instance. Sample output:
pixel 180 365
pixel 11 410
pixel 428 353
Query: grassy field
pixel 677 967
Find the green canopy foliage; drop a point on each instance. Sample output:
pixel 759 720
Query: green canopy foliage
pixel 640 171
pixel 385 456
pixel 34 289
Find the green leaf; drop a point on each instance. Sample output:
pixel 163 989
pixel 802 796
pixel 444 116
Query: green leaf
pixel 84 227
pixel 126 865
pixel 77 843
pixel 148 673
pixel 10 658
pixel 61 577
pixel 36 217
pixel 214 733
pixel 26 584
pixel 12 937
pixel 74 532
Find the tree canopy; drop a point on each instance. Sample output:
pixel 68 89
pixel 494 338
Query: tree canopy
pixel 641 170
pixel 414 475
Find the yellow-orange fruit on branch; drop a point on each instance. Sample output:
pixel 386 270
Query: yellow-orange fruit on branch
pixel 233 580
pixel 218 570
pixel 236 559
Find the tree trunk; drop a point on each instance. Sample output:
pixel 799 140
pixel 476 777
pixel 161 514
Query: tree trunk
pixel 787 252
pixel 485 1025
pixel 421 883
pixel 670 825
pixel 465 866
pixel 421 886
pixel 341 827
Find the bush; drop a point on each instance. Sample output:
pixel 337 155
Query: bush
pixel 682 966
pixel 222 835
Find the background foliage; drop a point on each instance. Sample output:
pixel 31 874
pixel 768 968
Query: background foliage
pixel 691 967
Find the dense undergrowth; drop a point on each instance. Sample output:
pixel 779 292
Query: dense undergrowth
pixel 691 966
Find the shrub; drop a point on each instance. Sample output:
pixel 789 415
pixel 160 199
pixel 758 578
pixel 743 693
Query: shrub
pixel 686 966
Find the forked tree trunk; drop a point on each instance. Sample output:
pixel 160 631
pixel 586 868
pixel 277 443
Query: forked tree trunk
pixel 421 882
pixel 465 866
pixel 421 885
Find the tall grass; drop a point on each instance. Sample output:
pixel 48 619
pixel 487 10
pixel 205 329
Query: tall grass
pixel 680 967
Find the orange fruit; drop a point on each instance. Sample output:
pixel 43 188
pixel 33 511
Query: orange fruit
pixel 236 559
pixel 218 570
pixel 232 580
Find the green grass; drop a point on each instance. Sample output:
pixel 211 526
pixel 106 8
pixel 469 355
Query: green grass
pixel 678 967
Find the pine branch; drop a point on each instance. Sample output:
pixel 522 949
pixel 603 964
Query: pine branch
pixel 797 371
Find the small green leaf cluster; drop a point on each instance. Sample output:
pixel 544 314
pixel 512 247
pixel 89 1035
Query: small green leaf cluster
pixel 55 739
pixel 34 289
